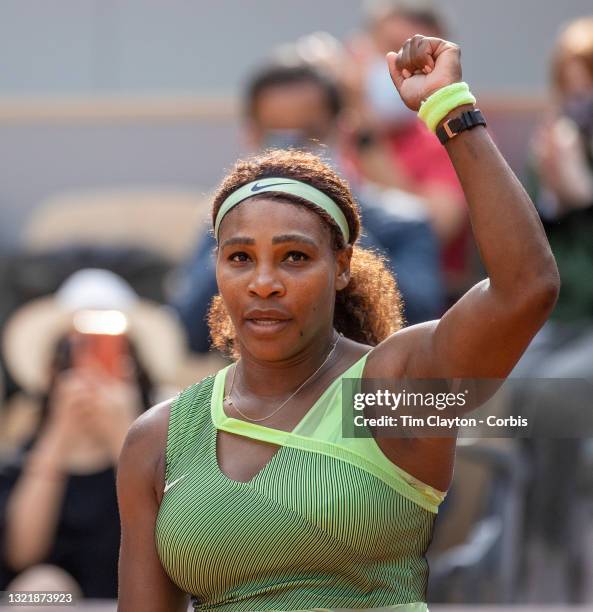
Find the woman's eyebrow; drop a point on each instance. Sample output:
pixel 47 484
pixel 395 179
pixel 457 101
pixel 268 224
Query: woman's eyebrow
pixel 293 238
pixel 238 240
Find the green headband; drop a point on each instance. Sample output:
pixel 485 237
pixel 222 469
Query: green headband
pixel 284 185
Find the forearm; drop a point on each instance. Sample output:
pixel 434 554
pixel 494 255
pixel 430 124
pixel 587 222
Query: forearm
pixel 486 331
pixel 34 506
pixel 507 229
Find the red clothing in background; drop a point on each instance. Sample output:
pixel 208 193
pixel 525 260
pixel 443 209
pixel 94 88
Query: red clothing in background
pixel 425 160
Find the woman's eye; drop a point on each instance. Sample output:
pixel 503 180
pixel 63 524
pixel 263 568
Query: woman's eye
pixel 239 257
pixel 296 256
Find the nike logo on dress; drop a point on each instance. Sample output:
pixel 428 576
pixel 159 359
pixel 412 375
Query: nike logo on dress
pixel 257 187
pixel 168 485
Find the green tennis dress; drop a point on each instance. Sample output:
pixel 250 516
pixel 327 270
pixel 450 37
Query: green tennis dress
pixel 328 524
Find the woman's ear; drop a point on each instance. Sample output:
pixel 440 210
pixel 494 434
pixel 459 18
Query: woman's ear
pixel 343 257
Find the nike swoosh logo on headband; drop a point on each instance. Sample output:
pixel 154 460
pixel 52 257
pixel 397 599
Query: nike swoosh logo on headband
pixel 257 187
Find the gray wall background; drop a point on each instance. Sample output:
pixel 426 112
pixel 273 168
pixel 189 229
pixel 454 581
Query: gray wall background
pixel 73 48
pixel 88 46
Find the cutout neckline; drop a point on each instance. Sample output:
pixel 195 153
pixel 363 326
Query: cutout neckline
pixel 220 415
pixel 271 435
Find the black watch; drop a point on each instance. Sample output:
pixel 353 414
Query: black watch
pixel 466 121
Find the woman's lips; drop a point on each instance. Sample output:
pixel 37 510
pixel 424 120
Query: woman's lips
pixel 267 326
pixel 266 321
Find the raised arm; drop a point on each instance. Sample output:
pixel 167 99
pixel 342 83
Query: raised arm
pixel 143 583
pixel 487 330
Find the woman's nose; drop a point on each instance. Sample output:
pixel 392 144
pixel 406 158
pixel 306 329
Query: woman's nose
pixel 265 282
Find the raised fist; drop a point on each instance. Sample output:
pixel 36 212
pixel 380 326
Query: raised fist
pixel 422 66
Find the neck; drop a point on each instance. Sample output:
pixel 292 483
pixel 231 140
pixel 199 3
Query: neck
pixel 274 379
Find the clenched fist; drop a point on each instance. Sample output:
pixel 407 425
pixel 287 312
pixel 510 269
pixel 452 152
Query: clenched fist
pixel 422 66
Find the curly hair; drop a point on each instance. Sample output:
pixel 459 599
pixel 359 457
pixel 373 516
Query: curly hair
pixel 369 308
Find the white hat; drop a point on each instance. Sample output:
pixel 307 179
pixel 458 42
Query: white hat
pixel 31 333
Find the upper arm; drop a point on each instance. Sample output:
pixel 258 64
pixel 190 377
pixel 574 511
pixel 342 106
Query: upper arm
pixel 143 583
pixel 481 336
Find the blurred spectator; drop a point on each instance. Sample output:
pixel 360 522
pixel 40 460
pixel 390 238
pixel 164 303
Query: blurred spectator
pixel 297 105
pixel 88 352
pixel 390 146
pixel 561 185
pixel 29 274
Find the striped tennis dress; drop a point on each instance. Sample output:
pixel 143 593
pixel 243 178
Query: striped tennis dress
pixel 328 524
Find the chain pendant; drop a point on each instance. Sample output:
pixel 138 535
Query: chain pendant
pixel 230 401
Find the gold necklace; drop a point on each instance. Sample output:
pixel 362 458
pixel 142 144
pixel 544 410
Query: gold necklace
pixel 228 399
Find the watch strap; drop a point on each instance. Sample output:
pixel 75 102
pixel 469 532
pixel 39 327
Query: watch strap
pixel 466 121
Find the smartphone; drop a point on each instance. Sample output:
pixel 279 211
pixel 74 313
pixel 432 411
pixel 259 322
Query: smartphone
pixel 99 341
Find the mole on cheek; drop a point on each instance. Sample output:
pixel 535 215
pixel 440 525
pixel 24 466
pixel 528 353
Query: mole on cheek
pixel 301 333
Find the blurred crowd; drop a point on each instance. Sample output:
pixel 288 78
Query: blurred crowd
pixel 94 334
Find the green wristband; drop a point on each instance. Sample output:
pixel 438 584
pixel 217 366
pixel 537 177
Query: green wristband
pixel 437 106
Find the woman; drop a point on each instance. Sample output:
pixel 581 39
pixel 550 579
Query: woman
pixel 289 515
pixel 58 504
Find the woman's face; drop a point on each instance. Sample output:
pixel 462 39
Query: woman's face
pixel 278 275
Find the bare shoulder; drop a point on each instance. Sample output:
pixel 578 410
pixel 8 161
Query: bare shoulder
pixel 150 427
pixel 430 460
pixel 394 357
pixel 145 444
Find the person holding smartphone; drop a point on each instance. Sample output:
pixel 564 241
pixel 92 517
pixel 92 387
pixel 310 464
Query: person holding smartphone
pixel 58 502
